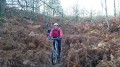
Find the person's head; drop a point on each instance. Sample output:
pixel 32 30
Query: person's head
pixel 55 24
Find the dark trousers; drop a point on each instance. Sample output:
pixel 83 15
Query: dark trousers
pixel 59 45
pixel 48 33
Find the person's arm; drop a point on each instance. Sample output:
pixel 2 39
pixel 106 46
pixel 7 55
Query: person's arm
pixel 61 33
pixel 51 33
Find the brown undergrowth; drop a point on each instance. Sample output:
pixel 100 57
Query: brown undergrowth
pixel 83 44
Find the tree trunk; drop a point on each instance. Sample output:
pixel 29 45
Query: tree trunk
pixel 115 8
pixel 2 7
pixel 91 16
pixel 26 4
pixel 33 6
pixel 76 13
pixel 106 14
pixel 106 9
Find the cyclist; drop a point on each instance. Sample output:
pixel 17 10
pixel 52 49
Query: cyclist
pixel 48 32
pixel 56 32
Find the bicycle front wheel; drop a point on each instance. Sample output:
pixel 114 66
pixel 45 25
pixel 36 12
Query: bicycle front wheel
pixel 54 58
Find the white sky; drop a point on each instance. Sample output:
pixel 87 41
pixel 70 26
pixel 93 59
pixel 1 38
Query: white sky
pixel 94 5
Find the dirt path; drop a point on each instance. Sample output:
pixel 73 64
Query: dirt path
pixel 60 62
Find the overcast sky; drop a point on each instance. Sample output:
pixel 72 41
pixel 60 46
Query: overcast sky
pixel 94 5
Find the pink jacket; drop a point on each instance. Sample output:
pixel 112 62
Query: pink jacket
pixel 61 33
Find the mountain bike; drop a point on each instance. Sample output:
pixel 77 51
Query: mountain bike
pixel 54 57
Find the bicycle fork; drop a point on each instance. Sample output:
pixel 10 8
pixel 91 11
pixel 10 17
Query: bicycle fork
pixel 56 47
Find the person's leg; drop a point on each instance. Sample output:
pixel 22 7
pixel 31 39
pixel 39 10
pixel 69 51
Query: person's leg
pixel 54 45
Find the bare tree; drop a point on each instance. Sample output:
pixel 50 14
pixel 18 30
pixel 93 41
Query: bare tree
pixel 82 12
pixel 76 13
pixel 56 5
pixel 118 7
pixel 118 2
pixel 115 8
pixel 104 6
pixel 106 11
pixel 92 13
pixel 30 5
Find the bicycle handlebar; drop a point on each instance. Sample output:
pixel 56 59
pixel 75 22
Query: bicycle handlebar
pixel 55 38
